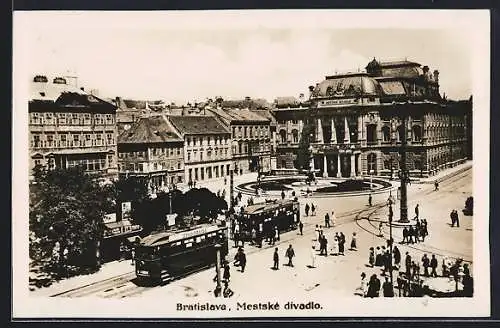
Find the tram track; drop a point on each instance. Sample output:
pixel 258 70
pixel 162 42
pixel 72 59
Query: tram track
pixel 121 286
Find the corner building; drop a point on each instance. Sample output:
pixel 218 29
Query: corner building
pixel 357 122
pixel 69 127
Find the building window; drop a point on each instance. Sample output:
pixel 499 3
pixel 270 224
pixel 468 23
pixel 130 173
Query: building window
pixel 87 119
pixel 245 132
pixel 386 134
pixel 400 133
pixel 371 134
pixel 295 136
pixel 295 122
pixel 49 118
pixel 189 156
pixel 62 143
pixel 110 138
pixel 372 163
pixel 178 166
pixel 416 133
pixel 61 118
pixel 50 140
pixel 36 141
pixel 283 136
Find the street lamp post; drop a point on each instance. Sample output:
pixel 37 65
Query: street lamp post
pixel 390 242
pixel 371 178
pixel 404 175
pixel 218 289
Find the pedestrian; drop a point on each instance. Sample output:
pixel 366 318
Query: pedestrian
pixel 426 263
pixel 434 264
pixel 411 233
pixel 313 209
pixel 236 234
pixel 401 284
pixel 333 218
pixel 317 232
pixel 122 251
pixel 405 235
pixel 436 186
pixel 276 259
pixel 290 253
pixel 416 234
pixel 415 274
pixel 132 255
pixel 373 287
pixel 387 288
pixel 282 194
pixel 327 220
pixel 323 246
pixel 301 227
pixel 227 292
pixel 341 243
pixel 408 265
pixel 335 245
pixel 276 235
pixel 307 209
pixel 243 260
pixel 354 246
pixel 452 218
pixel 371 257
pixel 457 221
pixel 468 285
pixel 370 200
pixel 363 286
pixel 227 274
pixel 380 226
pixel 293 193
pixel 378 257
pixel 397 257
pixel 416 212
pixel 254 236
pixel 313 256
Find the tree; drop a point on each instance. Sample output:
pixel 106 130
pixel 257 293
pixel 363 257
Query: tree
pixel 303 151
pixel 133 190
pixel 67 208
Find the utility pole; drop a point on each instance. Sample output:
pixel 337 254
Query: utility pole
pixel 404 172
pixel 218 289
pixel 390 243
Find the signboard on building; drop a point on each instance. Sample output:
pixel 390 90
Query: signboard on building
pixel 171 219
pixel 338 102
pixel 109 218
pixel 126 210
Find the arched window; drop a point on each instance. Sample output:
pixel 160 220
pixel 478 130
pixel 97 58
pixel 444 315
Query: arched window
pixel 283 136
pixel 371 133
pixel 386 133
pixel 372 163
pixel 400 133
pixel 416 132
pixel 295 136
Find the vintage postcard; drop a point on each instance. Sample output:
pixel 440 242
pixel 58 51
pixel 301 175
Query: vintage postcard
pixel 234 164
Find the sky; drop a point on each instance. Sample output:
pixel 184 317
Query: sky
pixel 191 56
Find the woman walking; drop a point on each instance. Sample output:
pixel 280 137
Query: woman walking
pixel 354 246
pixel 371 258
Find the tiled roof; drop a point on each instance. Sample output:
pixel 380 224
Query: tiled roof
pixel 402 72
pixel 392 87
pixel 347 85
pixel 197 124
pixel 233 115
pixel 281 101
pixel 266 114
pixel 152 129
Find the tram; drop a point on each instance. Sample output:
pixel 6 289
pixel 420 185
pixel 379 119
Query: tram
pixel 283 214
pixel 171 254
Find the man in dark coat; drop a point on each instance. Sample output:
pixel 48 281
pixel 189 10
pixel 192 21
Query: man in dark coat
pixel 307 209
pixel 405 235
pixel 227 274
pixel 373 286
pixel 408 265
pixel 416 211
pixel 411 233
pixel 397 256
pixel 276 259
pixel 290 253
pixel 388 288
pixel 301 226
pixel 426 263
pixel 327 220
pixel 342 244
pixel 434 264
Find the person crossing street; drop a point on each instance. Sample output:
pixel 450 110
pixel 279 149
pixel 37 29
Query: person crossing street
pixel 276 259
pixel 290 253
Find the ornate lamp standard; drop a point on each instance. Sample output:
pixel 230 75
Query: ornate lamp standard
pixel 404 173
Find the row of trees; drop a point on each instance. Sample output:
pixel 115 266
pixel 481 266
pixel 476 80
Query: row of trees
pixel 67 208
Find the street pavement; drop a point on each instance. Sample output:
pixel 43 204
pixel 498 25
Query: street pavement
pixel 333 275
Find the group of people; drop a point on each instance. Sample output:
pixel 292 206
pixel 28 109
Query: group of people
pixel 289 253
pixel 454 218
pixel 311 208
pixel 409 282
pixel 412 234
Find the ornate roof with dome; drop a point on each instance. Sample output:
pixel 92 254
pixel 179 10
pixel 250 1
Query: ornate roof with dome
pixel 347 85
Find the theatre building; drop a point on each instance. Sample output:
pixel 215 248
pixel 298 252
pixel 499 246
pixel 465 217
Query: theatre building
pixel 69 127
pixel 357 122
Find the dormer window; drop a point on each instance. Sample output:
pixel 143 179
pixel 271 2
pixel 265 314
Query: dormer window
pixel 59 80
pixel 40 79
pixel 42 94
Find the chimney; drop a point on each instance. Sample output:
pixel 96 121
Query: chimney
pixel 436 76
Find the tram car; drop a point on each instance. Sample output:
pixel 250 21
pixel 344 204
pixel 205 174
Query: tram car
pixel 282 213
pixel 170 254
